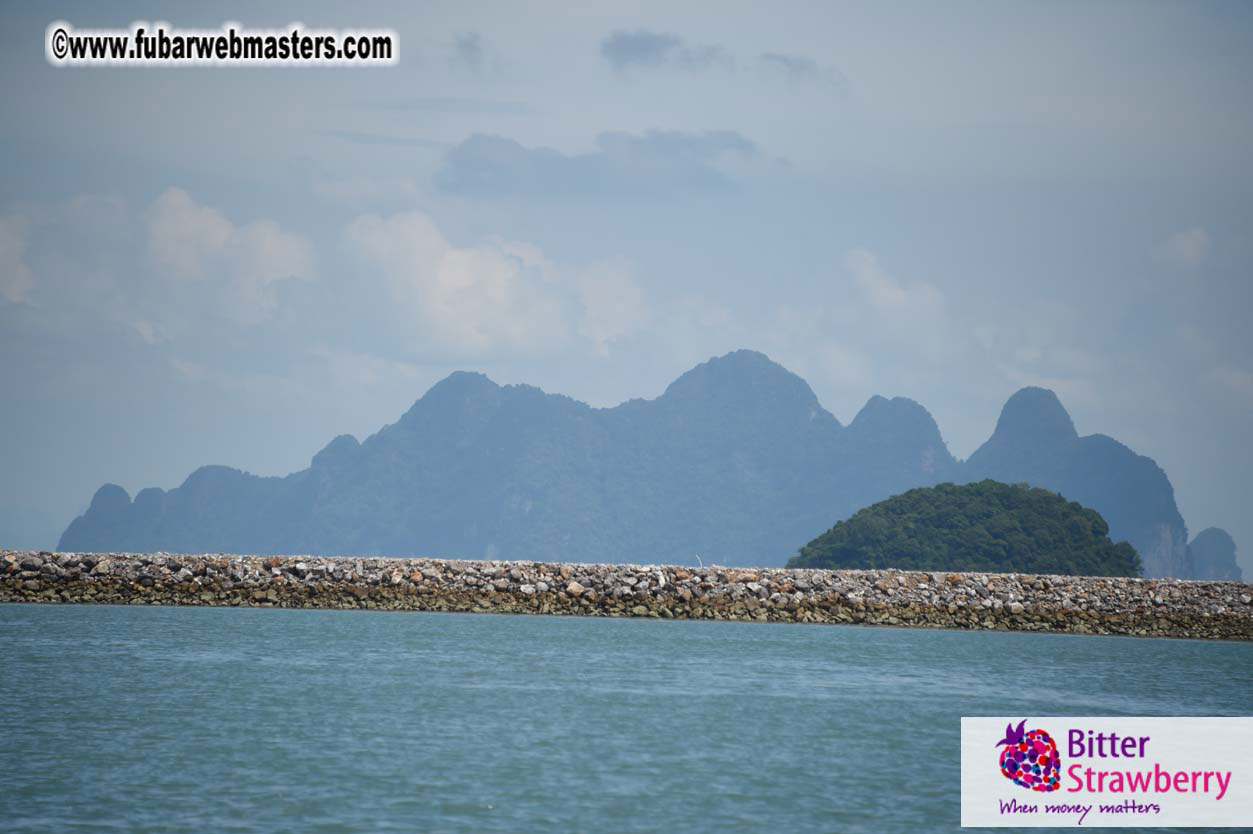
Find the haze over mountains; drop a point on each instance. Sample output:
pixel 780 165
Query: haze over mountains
pixel 736 462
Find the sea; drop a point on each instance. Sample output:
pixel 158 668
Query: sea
pixel 162 719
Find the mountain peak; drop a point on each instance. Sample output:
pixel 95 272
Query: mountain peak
pixel 898 412
pixel 461 382
pixel 456 391
pixel 901 431
pixel 337 453
pixel 1036 414
pixel 110 498
pixel 741 375
pixel 1214 556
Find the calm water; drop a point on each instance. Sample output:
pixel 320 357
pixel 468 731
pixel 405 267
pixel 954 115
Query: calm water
pixel 203 720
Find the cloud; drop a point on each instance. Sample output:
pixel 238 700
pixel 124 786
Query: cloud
pixel 473 54
pixel 613 305
pixel 191 242
pixel 16 279
pixel 642 48
pixel 468 51
pixel 871 326
pixel 794 66
pixel 350 368
pixel 891 298
pixel 183 235
pixel 1186 250
pixel 180 277
pixel 653 164
pixel 798 69
pixel 495 298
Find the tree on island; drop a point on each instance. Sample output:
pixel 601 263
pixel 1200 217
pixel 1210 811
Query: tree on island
pixel 984 526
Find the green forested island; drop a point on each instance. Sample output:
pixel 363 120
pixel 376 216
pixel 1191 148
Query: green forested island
pixel 984 526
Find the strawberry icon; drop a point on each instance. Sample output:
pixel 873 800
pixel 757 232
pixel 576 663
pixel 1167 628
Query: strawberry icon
pixel 1030 758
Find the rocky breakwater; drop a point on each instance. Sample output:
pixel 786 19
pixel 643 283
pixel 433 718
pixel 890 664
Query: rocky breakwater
pixel 1020 602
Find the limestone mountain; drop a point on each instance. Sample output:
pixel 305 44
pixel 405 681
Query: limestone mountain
pixel 1035 441
pixel 736 461
pixel 1214 556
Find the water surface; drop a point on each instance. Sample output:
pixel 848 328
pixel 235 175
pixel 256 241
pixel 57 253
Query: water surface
pixel 153 719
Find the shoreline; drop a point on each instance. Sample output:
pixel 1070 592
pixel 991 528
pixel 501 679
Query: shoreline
pixel 1176 608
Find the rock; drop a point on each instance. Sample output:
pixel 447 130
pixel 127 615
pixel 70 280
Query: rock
pixel 1217 609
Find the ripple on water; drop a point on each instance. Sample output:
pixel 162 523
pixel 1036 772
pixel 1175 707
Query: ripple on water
pixel 184 719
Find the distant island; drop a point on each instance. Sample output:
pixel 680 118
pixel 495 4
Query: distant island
pixel 985 526
pixel 1213 555
pixel 736 462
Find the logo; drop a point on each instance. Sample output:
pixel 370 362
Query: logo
pixel 1107 771
pixel 1030 759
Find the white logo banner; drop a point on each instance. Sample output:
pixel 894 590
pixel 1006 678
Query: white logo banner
pixel 1057 771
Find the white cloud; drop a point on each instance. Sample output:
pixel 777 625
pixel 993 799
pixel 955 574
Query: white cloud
pixel 189 241
pixel 913 313
pixel 1186 250
pixel 495 297
pixel 613 305
pixel 350 369
pixel 183 236
pixel 888 295
pixel 16 279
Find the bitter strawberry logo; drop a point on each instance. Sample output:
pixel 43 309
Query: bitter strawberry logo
pixel 1030 758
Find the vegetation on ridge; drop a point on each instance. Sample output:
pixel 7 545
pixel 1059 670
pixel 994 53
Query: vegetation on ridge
pixel 984 526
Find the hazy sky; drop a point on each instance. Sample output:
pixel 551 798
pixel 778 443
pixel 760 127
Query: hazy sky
pixel 942 201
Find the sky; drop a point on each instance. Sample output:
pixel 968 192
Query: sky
pixel 941 201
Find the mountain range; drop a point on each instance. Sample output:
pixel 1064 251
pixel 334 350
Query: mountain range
pixel 736 462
